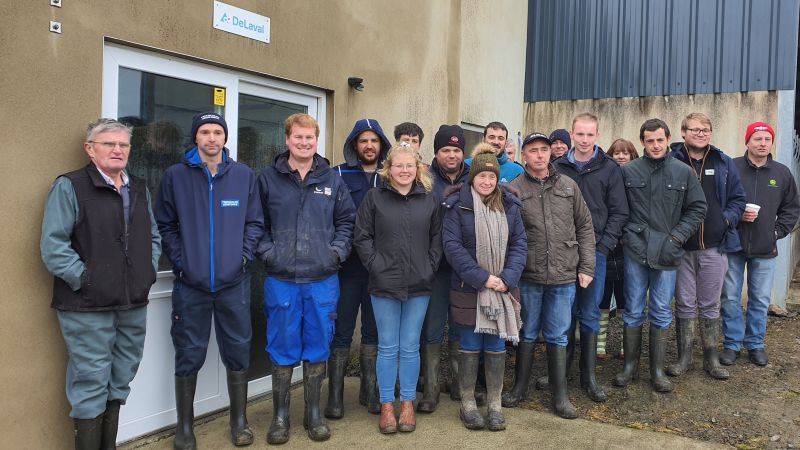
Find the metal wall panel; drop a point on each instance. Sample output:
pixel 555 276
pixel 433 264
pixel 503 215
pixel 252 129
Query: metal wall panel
pixel 581 49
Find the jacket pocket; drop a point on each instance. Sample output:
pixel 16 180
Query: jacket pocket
pixel 570 256
pixel 635 190
pixel 674 191
pixel 670 252
pixel 634 238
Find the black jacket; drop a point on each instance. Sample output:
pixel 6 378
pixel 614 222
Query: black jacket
pixel 398 238
pixel 772 187
pixel 603 190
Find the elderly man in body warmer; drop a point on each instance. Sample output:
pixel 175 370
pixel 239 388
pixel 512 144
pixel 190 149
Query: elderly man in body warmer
pixel 309 218
pixel 101 243
pixel 210 221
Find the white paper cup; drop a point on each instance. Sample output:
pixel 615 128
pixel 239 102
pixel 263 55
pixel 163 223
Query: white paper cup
pixel 752 207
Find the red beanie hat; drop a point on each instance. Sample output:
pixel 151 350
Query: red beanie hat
pixel 758 126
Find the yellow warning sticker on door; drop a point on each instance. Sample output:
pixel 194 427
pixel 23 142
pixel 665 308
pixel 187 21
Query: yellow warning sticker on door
pixel 219 96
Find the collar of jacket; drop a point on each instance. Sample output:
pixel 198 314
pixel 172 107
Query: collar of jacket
pixel 570 155
pixel 320 165
pixel 192 159
pixel 416 189
pixel 766 164
pixel 97 178
pixel 681 152
pixel 437 172
pixel 462 193
pixel 552 176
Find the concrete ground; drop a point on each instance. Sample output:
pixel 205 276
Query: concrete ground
pixel 443 429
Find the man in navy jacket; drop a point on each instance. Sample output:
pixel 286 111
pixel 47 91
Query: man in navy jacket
pixel 210 222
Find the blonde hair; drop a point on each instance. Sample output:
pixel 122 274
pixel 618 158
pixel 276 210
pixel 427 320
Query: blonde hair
pixel 404 148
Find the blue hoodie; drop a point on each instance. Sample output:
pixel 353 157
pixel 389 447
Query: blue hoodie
pixel 508 168
pixel 209 246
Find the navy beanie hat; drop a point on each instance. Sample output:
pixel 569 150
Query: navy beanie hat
pixel 562 135
pixel 203 118
pixel 448 136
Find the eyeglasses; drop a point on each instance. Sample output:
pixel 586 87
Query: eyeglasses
pixel 112 145
pixel 699 131
pixel 404 166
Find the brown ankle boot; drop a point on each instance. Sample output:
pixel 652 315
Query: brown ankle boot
pixel 388 423
pixel 408 422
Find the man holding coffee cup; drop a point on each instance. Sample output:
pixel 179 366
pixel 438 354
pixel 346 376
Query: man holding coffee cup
pixel 771 215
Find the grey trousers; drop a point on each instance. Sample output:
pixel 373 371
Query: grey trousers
pixel 699 284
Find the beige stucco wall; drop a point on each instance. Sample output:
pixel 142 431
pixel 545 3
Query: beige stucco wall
pixel 409 54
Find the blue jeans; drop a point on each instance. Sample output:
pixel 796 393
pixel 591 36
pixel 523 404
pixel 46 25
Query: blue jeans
pixel 760 273
pixel 399 325
pixel 475 342
pixel 192 312
pixel 438 310
pixel 546 309
pixel 300 318
pixel 639 280
pixel 588 300
pixel 353 294
pixel 104 350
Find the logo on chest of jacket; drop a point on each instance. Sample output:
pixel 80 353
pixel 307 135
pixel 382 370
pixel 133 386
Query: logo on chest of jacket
pixel 325 191
pixel 229 203
pixel 773 183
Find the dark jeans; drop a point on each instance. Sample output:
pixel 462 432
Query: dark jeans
pixel 438 309
pixel 353 293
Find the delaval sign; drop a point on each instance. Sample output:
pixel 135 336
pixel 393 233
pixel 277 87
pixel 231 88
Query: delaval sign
pixel 242 22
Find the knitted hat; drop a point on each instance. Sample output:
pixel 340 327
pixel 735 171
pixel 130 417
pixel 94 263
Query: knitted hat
pixel 562 135
pixel 448 136
pixel 203 118
pixel 483 159
pixel 758 126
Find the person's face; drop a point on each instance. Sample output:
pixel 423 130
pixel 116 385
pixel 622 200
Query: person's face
pixel 536 155
pixel 109 151
pixel 210 140
pixel 496 137
pixel 760 144
pixel 485 182
pixel 511 151
pixel 302 142
pixel 368 146
pixel 584 135
pixel 413 141
pixel 656 143
pixel 403 170
pixel 559 148
pixel 449 158
pixel 622 157
pixel 697 134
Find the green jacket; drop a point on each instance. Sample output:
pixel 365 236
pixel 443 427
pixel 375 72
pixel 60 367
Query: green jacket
pixel 667 205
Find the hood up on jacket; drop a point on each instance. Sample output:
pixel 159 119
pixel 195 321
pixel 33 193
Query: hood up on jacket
pixel 362 125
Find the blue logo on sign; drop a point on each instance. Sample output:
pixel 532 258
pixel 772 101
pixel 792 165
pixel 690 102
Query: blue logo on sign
pixel 229 203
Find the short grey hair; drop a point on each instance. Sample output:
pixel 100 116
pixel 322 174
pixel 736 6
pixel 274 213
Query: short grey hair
pixel 104 125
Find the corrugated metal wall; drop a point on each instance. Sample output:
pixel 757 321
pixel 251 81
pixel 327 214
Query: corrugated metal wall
pixel 581 49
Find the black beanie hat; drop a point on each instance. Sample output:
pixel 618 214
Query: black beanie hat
pixel 448 136
pixel 203 118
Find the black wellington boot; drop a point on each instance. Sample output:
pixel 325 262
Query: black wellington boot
pixel 632 347
pixel 658 350
pixel 522 376
pixel 313 374
pixel 430 393
pixel 337 365
pixel 281 384
pixel 495 363
pixel 88 433
pixel 241 434
pixel 452 359
pixel 557 373
pixel 588 365
pixel 468 374
pixel 542 383
pixel 368 392
pixel 684 331
pixel 110 425
pixel 184 406
pixel 710 331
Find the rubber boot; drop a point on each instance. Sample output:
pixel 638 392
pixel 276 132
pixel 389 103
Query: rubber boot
pixel 480 384
pixel 658 350
pixel 468 373
pixel 241 434
pixel 588 366
pixel 522 376
pixel 368 392
pixel 542 383
pixel 337 365
pixel 108 440
pixel 684 333
pixel 184 406
pixel 602 335
pixel 452 351
pixel 632 346
pixel 281 385
pixel 710 333
pixel 313 374
pixel 430 393
pixel 88 433
pixel 557 373
pixel 495 363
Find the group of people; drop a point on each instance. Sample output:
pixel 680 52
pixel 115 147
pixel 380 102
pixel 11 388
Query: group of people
pixel 491 250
